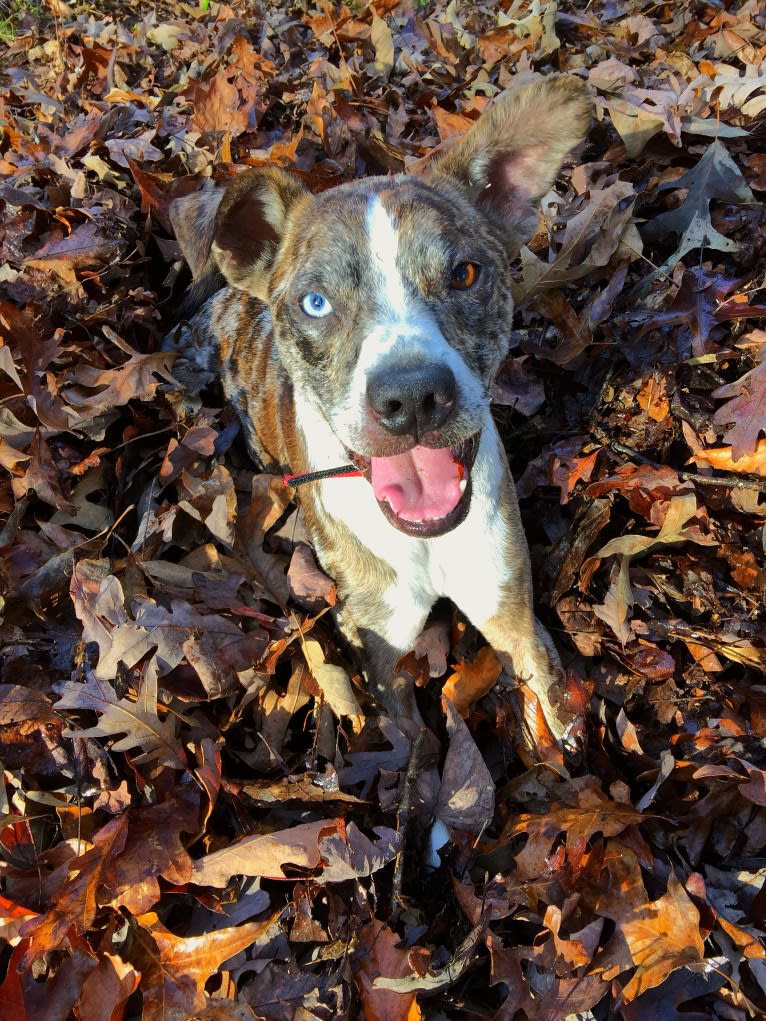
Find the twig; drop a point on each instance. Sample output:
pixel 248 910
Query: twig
pixel 403 816
pixel 704 480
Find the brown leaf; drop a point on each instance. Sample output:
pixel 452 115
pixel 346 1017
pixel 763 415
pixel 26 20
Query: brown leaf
pixel 466 797
pixel 174 970
pixel 107 990
pixel 136 379
pixel 342 853
pixel 589 811
pixel 42 477
pixel 137 721
pixel 84 249
pixel 433 645
pixel 472 681
pixel 380 953
pixel 744 412
pixel 76 901
pixel 307 581
pixel 217 106
pixel 334 683
pixel 266 854
pixel 664 935
pixel 154 848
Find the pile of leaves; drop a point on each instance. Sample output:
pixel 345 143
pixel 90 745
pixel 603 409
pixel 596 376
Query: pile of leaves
pixel 203 815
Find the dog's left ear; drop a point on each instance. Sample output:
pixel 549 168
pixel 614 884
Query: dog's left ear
pixel 512 155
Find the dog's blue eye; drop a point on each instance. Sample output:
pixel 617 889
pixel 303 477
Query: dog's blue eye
pixel 316 305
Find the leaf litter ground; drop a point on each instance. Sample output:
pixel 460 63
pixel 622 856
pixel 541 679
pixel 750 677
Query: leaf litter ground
pixel 202 815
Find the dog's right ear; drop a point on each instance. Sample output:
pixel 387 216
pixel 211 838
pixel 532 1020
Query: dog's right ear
pixel 249 225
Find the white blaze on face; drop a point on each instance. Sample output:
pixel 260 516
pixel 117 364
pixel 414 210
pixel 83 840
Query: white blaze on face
pixel 383 237
pixel 403 329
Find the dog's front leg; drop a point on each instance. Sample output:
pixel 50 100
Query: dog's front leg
pixel 382 633
pixel 381 610
pixel 527 649
pixel 487 574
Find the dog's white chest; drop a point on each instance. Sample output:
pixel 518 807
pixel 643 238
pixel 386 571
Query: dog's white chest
pixel 465 565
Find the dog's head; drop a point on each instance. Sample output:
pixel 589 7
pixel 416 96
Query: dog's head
pixel 390 297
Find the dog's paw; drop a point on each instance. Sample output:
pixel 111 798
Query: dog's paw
pixel 549 720
pixel 197 362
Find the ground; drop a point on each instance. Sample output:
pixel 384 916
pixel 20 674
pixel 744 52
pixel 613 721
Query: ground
pixel 203 816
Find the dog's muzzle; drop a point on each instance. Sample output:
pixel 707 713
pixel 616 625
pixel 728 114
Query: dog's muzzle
pixel 412 400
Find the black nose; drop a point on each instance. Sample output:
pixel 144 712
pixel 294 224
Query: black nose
pixel 412 400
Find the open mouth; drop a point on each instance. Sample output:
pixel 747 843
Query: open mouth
pixel 427 490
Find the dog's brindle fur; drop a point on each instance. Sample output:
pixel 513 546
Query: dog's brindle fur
pixel 388 254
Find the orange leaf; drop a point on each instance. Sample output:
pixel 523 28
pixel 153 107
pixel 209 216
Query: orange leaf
pixel 381 955
pixel 74 908
pixel 723 458
pixel 450 124
pixel 662 936
pixel 653 397
pixel 471 681
pixel 174 970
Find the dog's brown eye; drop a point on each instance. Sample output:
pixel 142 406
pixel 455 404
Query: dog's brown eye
pixel 464 275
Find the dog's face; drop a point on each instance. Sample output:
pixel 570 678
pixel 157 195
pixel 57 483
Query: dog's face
pixel 391 307
pixel 390 297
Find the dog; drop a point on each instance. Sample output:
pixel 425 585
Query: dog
pixel 357 333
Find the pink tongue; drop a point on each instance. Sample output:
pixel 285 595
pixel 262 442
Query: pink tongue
pixel 421 485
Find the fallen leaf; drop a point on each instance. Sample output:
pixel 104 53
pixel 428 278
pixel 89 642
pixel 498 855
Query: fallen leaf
pixel 744 414
pixel 723 458
pixel 381 953
pixel 664 936
pixel 715 177
pixel 334 683
pixel 466 798
pixel 137 721
pixel 471 681
pixel 76 901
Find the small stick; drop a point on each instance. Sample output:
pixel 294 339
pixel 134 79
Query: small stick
pixel 704 480
pixel 403 816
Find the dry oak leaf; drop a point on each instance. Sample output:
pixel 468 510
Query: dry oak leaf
pixel 212 644
pixel 380 953
pixel 84 248
pixel 723 458
pixel 307 581
pixel 589 241
pixel 466 798
pixel 174 970
pixel 745 412
pixel 676 528
pixel 137 721
pixel 715 177
pixel 618 601
pixel 431 980
pixel 154 848
pixel 106 991
pixel 472 681
pixel 665 935
pixel 75 904
pixel 588 812
pixel 137 378
pixel 334 683
pixel 575 952
pixel 341 852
